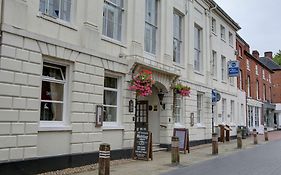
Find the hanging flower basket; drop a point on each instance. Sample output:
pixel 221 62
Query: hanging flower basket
pixel 142 83
pixel 181 89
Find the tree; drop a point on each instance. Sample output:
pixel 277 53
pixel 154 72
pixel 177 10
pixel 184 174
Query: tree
pixel 277 57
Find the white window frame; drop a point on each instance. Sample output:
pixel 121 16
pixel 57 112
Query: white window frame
pixel 257 89
pixel 223 110
pixel 214 64
pixel 46 11
pixel 223 68
pixel 249 86
pixel 200 107
pixel 230 38
pixel 150 30
pixel 198 61
pixel 269 78
pixel 257 70
pixel 240 80
pixel 177 28
pixel 250 116
pixel 118 102
pixel 264 92
pixel 240 51
pixel 263 74
pixel 179 106
pixel 214 26
pixel 232 110
pixel 248 65
pixel 117 29
pixel 257 116
pixel 223 37
pixel 64 123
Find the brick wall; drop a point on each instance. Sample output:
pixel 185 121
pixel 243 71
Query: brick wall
pixel 276 89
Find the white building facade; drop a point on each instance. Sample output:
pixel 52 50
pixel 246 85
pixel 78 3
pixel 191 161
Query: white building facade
pixel 61 60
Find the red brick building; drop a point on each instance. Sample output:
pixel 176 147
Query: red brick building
pixel 256 80
pixel 276 87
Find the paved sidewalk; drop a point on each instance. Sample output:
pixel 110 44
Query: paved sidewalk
pixel 162 160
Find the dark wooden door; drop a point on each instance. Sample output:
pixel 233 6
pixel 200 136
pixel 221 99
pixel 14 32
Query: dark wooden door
pixel 141 116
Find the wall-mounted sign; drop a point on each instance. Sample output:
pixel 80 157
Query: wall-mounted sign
pixel 233 68
pixel 131 106
pixel 99 115
pixel 215 96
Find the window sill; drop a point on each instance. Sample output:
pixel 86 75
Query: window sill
pixel 179 65
pixel 113 41
pixel 199 73
pixel 231 46
pixel 179 125
pixel 214 33
pixel 55 128
pixel 149 55
pixel 56 21
pixel 224 81
pixel 200 126
pixel 112 127
pixel 223 40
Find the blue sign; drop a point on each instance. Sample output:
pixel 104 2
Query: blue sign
pixel 215 96
pixel 233 68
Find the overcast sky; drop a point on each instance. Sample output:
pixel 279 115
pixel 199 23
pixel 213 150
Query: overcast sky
pixel 260 21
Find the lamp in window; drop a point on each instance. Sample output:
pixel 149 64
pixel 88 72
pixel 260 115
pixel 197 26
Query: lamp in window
pixel 160 97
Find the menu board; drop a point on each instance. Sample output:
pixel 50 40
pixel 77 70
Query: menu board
pixel 142 146
pixel 183 136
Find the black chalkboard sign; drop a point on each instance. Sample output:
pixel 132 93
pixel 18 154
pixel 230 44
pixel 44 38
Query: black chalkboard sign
pixel 182 134
pixel 142 145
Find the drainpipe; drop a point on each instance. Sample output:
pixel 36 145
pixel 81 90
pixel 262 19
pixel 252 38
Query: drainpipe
pixel 210 36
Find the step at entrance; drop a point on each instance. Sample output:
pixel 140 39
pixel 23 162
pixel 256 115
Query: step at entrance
pixel 156 148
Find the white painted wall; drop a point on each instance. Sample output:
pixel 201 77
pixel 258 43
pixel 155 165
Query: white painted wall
pixel 29 37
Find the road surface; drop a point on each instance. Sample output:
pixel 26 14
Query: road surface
pixel 261 160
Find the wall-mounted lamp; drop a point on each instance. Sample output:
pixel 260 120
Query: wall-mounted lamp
pixel 161 96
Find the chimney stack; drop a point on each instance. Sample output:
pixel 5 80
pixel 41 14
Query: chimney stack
pixel 256 54
pixel 268 54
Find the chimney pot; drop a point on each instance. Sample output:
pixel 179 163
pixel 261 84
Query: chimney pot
pixel 256 54
pixel 268 54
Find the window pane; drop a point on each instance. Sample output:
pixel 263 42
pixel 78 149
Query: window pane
pixel 54 71
pixel 42 7
pixel 65 10
pixel 110 114
pixel 147 38
pixel 52 91
pixel 110 82
pixel 51 111
pixel 110 98
pixel 54 8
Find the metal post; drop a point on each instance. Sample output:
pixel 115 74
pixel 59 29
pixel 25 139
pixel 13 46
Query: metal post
pixel 239 138
pixel 265 134
pixel 255 136
pixel 175 150
pixel 104 159
pixel 215 150
pixel 213 119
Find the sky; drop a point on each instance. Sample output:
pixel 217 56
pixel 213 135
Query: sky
pixel 260 21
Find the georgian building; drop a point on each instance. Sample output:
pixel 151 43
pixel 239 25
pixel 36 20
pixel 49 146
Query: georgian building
pixel 63 60
pixel 231 108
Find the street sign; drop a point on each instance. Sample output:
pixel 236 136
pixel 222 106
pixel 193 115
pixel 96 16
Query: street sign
pixel 233 68
pixel 215 96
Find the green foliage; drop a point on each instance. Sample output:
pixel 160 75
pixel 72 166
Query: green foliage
pixel 277 57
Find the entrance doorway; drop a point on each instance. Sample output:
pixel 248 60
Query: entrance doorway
pixel 147 116
pixel 141 116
